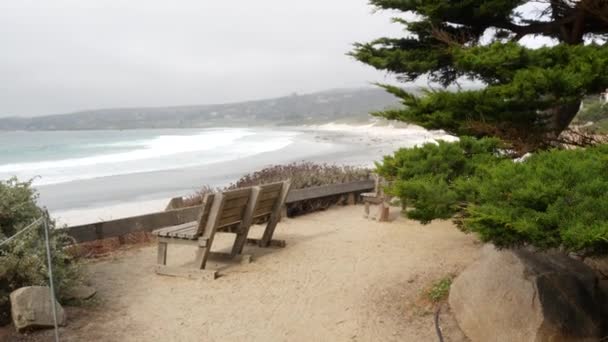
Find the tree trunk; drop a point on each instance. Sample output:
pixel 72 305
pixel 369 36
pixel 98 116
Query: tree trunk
pixel 560 117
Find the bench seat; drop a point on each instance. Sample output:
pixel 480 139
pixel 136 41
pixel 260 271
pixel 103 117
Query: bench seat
pixel 187 231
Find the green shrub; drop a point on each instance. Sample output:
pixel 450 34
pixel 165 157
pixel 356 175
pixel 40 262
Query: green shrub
pixel 553 199
pixel 429 178
pixel 23 260
pixel 302 175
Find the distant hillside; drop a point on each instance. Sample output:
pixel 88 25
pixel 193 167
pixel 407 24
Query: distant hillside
pixel 335 105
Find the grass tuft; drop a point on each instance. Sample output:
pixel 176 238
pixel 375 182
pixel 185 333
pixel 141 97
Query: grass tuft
pixel 440 289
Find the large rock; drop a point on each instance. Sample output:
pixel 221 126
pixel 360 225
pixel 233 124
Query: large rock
pixel 523 296
pixel 31 308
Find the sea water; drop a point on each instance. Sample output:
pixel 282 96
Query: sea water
pixel 116 173
pixel 52 157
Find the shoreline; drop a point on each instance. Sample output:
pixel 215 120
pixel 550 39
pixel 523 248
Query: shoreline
pixel 112 197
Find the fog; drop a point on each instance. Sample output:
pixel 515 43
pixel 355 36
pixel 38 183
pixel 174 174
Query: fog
pixel 67 55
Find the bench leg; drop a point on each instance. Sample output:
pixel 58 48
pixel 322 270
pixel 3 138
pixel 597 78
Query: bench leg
pixel 366 209
pixel 240 241
pixel 269 232
pixel 383 212
pixel 162 253
pixel 202 254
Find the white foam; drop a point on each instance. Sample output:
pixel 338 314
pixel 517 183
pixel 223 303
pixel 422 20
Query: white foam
pixel 380 128
pixel 161 153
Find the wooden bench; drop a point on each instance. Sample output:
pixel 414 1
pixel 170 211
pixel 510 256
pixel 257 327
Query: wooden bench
pixel 379 198
pixel 229 212
pixel 270 203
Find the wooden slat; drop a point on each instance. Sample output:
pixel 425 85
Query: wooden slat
pixel 188 233
pixel 268 204
pixel 239 193
pixel 329 190
pixel 272 187
pixel 228 221
pixel 261 213
pixel 239 202
pixel 167 231
pixel 184 228
pixel 269 195
pixel 233 212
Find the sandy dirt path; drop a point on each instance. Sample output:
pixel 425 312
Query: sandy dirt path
pixel 340 278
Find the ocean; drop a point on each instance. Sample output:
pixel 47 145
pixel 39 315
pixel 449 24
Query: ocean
pixel 54 157
pixel 74 171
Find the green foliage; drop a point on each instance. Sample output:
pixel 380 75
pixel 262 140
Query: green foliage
pixel 440 290
pixel 302 175
pixel 553 199
pixel 429 178
pixel 531 95
pixel 23 260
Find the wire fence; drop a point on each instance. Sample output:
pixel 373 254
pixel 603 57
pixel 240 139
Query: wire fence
pixel 44 221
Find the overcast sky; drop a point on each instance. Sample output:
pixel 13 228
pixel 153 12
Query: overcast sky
pixel 67 55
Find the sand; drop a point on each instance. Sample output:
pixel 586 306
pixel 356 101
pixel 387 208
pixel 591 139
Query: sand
pixel 340 278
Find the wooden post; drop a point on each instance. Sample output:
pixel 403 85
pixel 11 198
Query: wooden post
pixel 162 253
pixel 209 233
pixel 275 216
pixel 351 200
pixel 241 235
pixel 383 212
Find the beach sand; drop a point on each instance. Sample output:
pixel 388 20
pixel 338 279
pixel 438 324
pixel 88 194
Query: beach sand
pixel 341 278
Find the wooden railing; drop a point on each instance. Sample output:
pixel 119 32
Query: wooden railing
pixel 174 216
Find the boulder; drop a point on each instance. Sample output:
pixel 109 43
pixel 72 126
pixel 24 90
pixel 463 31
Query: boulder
pixel 519 295
pixel 31 308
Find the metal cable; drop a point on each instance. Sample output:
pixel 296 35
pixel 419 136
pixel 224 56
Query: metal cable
pixel 33 224
pixel 51 285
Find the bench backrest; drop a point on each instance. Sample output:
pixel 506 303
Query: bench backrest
pixel 240 207
pixel 204 215
pixel 227 209
pixel 270 199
